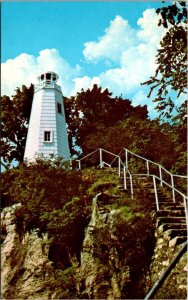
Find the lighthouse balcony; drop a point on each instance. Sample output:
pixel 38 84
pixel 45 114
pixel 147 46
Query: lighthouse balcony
pixel 47 85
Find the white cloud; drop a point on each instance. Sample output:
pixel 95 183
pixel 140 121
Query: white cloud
pixel 134 53
pixel 110 46
pixel 84 82
pixel 150 32
pixel 25 68
pixel 140 98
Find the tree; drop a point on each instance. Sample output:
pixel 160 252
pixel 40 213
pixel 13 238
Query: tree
pixel 145 137
pixel 15 115
pixel 94 110
pixel 180 141
pixel 170 79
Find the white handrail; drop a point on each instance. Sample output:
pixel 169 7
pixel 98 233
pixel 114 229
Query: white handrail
pixel 155 190
pixel 166 183
pixel 116 157
pixel 87 155
pixel 181 176
pixel 154 163
pixel 110 152
pixel 126 171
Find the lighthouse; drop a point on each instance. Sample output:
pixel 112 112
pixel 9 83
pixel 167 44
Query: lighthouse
pixel 47 132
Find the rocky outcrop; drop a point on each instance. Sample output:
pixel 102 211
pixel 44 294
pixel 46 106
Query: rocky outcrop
pixel 102 272
pixel 175 286
pixel 27 272
pixel 25 268
pixel 101 276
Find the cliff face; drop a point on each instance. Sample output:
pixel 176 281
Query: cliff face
pixel 27 272
pixel 106 269
pixel 101 274
pixel 26 269
pixel 175 286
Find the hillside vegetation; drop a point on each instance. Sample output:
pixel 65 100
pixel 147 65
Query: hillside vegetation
pixel 58 201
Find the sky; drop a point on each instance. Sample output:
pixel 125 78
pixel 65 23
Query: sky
pixel 113 44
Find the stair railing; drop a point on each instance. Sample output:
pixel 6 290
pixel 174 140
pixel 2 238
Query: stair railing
pixel 158 284
pixel 123 167
pixel 184 198
pixel 160 169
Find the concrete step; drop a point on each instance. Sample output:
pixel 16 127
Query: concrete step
pixel 167 226
pixel 178 240
pixel 167 205
pixel 128 184
pixel 162 220
pixel 170 213
pixel 180 208
pixel 171 204
pixel 146 185
pixel 172 233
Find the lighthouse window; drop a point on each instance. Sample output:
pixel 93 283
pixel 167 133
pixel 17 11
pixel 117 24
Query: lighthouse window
pixel 47 136
pixel 48 76
pixel 59 108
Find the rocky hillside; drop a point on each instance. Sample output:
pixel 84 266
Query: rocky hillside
pixel 90 241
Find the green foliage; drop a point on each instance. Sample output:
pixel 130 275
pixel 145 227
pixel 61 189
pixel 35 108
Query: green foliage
pixel 171 74
pixel 94 110
pixel 107 184
pixel 15 114
pixel 53 199
pixel 58 201
pixel 172 14
pixel 63 283
pixel 145 137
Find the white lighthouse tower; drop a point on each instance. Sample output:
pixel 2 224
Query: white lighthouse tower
pixel 47 133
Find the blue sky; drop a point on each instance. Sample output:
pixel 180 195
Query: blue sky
pixel 32 26
pixel 110 43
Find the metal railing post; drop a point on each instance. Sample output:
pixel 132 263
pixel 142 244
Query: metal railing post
pixel 126 158
pixel 186 213
pixel 124 178
pixel 131 182
pixel 156 195
pixel 147 166
pixel 172 183
pixel 119 167
pixel 100 155
pixel 79 165
pixel 160 175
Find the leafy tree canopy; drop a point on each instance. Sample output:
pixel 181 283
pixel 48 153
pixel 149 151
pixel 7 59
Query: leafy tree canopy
pixel 170 79
pixel 15 113
pixel 94 110
pixel 146 137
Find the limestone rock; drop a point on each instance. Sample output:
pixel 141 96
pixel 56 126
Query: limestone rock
pixel 98 280
pixel 25 268
pixel 173 287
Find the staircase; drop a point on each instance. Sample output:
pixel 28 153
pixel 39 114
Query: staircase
pixel 168 204
pixel 170 218
pixel 170 208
